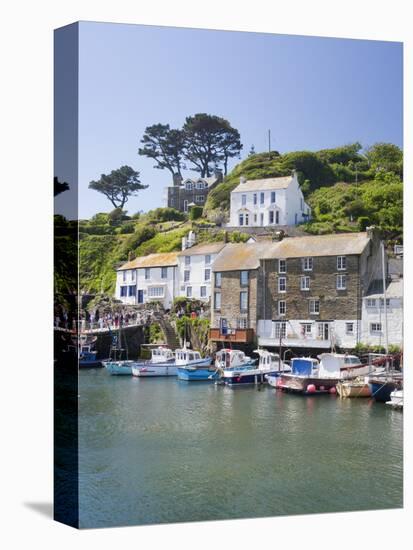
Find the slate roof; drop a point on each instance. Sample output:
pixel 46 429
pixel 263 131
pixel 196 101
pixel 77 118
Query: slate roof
pixel 162 259
pixel 394 289
pixel 264 184
pixel 202 248
pixel 241 256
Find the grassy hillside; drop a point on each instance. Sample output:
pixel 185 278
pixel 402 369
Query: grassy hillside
pixel 346 190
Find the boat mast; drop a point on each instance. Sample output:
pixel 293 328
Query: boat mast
pixel 386 334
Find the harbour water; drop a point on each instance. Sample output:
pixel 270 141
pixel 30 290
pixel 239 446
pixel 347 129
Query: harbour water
pixel 163 450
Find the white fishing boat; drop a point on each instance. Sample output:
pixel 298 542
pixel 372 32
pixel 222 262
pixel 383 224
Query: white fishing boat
pixel 162 363
pixel 269 364
pixel 396 399
pixel 191 366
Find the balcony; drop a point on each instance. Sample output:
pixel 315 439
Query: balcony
pixel 240 335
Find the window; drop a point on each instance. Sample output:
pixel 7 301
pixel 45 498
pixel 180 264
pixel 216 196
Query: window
pixel 371 302
pixel 124 275
pixel 243 200
pixel 243 300
pixel 246 219
pixel 156 291
pixel 282 266
pixel 255 198
pixel 277 217
pixel 123 291
pixel 255 218
pixel 147 272
pixel 133 274
pixel 305 283
pixel 187 275
pixel 280 330
pixel 307 264
pixel 271 216
pixel 307 329
pixel 243 278
pixel 199 198
pixel 382 302
pixel 282 307
pixel 207 275
pixel 341 282
pixel 261 219
pixel 242 322
pixel 375 328
pixel 132 290
pixel 218 279
pixel 188 186
pixel 241 219
pixel 189 291
pixel 187 260
pixel 341 263
pixel 203 292
pixel 261 198
pixel 272 197
pixel 207 259
pixel 200 185
pixel 185 206
pixel 164 272
pixel 349 328
pixel 282 284
pixel 217 300
pixel 314 307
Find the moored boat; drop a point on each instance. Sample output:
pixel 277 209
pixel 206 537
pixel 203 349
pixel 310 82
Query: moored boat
pixel 353 388
pixel 269 365
pixel 119 368
pixel 162 363
pixel 383 385
pixel 192 367
pixel 396 399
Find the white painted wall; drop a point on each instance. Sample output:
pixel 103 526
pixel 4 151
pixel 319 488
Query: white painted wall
pixel 126 277
pixel 296 337
pixel 169 285
pixel 376 315
pixel 287 202
pixel 197 279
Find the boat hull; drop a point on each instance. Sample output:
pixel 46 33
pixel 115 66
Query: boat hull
pixel 90 364
pixel 381 389
pixel 307 385
pixel 119 368
pixel 143 370
pixel 345 390
pixel 197 371
pixel 249 376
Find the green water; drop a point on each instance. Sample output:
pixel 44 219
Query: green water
pixel 162 450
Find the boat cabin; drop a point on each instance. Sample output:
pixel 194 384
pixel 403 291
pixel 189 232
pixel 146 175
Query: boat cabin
pixel 268 359
pixel 304 366
pixel 231 358
pixel 185 356
pixel 160 355
pixel 332 364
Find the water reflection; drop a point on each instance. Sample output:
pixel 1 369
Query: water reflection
pixel 161 450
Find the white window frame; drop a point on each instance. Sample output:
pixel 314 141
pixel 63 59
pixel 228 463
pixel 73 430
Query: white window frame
pixel 147 273
pixel 305 327
pixel 376 328
pixel 255 199
pixel 124 275
pixel 312 308
pixel 203 291
pixel 304 279
pixel 164 272
pixel 244 278
pixel 156 292
pixel 240 219
pixel 207 271
pixel 273 196
pixel 242 323
pixel 189 291
pixel 199 198
pixel 207 259
pixel 341 282
pixel 282 290
pixel 341 263
pixel 217 307
pixel 282 308
pixel 371 302
pixel 381 302
pixel 243 200
pixel 262 197
pixel 284 264
pixel 133 273
pixel 242 294
pixel 187 260
pixel 280 329
pixel 348 329
pixel 271 217
pixel 187 275
pixel 308 264
pixel 218 279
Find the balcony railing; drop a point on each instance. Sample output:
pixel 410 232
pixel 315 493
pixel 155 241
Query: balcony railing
pixel 241 335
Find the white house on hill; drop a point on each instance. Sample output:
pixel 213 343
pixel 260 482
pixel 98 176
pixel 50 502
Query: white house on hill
pixel 148 279
pixel 266 202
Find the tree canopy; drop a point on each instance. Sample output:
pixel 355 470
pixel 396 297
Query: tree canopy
pixel 205 141
pixel 119 185
pixel 59 187
pixel 385 156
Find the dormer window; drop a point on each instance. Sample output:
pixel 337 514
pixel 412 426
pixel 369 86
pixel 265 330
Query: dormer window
pixel 188 186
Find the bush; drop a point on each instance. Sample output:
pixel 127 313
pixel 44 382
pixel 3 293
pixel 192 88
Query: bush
pixel 165 215
pixel 195 212
pixel 128 227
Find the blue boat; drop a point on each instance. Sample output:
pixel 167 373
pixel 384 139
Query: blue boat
pixel 119 368
pixel 269 365
pixel 192 367
pixel 382 386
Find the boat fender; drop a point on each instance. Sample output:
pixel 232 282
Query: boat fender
pixel 311 388
pixel 333 390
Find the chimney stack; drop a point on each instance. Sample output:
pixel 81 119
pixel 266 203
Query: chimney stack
pixel 218 175
pixel 243 179
pixel 177 180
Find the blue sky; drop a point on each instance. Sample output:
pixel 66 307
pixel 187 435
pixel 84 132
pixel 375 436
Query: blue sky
pixel 312 93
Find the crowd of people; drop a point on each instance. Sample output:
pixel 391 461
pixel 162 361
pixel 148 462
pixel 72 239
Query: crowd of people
pixel 101 320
